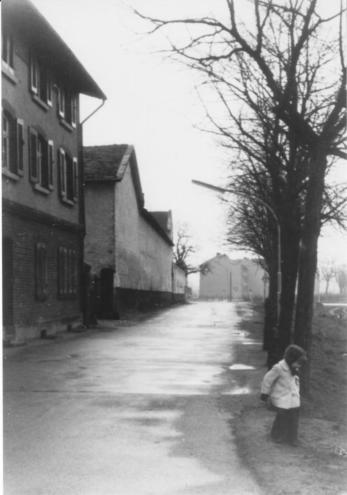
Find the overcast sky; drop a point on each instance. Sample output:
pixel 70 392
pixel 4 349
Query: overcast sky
pixel 152 104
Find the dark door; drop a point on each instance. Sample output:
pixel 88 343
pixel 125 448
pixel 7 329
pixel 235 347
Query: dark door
pixel 106 293
pixel 7 287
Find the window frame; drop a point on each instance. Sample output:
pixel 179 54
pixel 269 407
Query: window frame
pixel 67 273
pixel 7 50
pixel 41 271
pixel 67 103
pixel 41 161
pixel 40 83
pixel 68 180
pixel 13 134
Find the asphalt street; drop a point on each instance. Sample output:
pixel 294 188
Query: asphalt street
pixel 132 408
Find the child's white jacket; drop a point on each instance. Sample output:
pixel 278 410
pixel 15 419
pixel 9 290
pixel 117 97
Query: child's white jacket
pixel 282 387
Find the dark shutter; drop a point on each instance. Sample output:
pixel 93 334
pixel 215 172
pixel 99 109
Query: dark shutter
pixel 62 173
pixel 20 146
pixel 50 164
pixel 13 143
pixel 33 159
pixel 75 179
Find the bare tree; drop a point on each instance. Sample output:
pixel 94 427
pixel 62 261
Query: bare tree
pixel 183 249
pixel 294 57
pixel 328 272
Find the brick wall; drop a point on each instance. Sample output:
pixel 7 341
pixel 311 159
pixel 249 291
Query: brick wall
pixel 31 316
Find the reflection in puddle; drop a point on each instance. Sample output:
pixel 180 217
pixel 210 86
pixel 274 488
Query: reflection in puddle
pixel 238 391
pixel 241 367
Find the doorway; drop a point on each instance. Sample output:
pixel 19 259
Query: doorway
pixel 7 288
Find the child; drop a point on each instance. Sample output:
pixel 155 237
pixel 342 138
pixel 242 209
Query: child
pixel 282 384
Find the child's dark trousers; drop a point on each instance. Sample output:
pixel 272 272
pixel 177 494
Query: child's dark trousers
pixel 285 426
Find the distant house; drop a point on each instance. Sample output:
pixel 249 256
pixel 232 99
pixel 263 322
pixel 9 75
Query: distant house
pixel 223 278
pixel 127 247
pixel 43 219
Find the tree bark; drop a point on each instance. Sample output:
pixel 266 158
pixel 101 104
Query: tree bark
pixel 308 254
pixel 270 310
pixel 290 256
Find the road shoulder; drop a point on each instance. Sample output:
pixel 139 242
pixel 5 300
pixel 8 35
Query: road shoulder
pixel 319 464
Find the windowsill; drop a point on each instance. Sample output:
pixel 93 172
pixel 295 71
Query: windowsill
pixel 40 102
pixel 67 296
pixel 68 202
pixel 41 189
pixel 8 72
pixel 66 124
pixel 10 175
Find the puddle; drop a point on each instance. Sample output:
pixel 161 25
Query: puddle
pixel 241 367
pixel 238 391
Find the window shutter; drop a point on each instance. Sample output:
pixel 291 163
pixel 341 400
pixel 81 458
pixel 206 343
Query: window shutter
pixel 50 164
pixel 20 147
pixel 74 111
pixel 62 172
pixel 61 102
pixel 13 144
pixel 60 271
pixel 11 51
pixel 33 75
pixel 49 91
pixel 66 272
pixel 75 179
pixel 33 156
pixel 41 273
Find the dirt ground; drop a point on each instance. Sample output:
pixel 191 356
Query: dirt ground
pixel 319 465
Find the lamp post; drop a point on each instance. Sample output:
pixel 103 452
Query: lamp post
pixel 278 229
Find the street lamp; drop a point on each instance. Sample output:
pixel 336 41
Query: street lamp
pixel 278 227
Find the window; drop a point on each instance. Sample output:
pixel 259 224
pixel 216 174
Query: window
pixel 7 50
pixel 68 177
pixel 12 145
pixel 41 157
pixel 40 83
pixel 41 272
pixel 67 272
pixel 67 107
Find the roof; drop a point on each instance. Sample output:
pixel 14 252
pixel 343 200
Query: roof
pixel 108 163
pixel 164 218
pixel 103 163
pixel 22 17
pixel 216 258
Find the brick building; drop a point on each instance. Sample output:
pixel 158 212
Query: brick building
pixel 43 214
pixel 127 247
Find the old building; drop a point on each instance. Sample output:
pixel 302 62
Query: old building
pixel 128 248
pixel 223 278
pixel 43 217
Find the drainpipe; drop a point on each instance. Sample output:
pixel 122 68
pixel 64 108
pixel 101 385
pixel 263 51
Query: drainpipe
pixel 93 112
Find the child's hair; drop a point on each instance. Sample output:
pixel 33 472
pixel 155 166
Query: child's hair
pixel 293 353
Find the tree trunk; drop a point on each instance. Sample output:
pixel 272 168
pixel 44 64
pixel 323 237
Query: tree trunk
pixel 290 256
pixel 270 310
pixel 308 254
pixel 271 330
pixel 327 283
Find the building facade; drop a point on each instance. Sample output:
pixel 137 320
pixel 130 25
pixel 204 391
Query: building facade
pixel 43 215
pixel 226 279
pixel 128 248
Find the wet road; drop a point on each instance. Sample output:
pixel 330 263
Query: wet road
pixel 131 409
